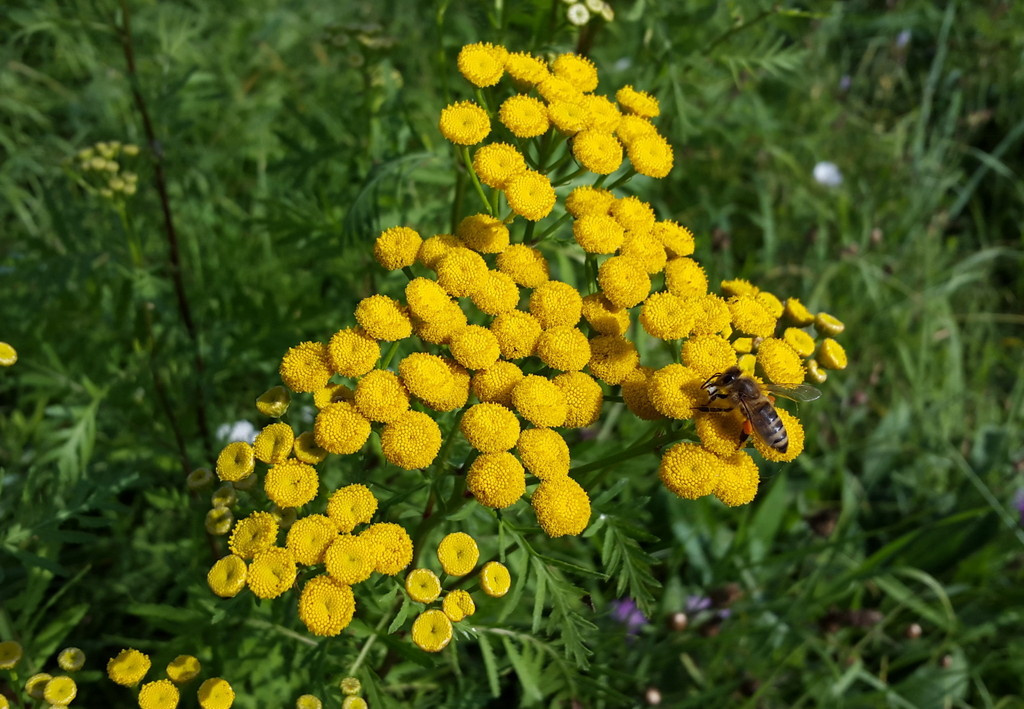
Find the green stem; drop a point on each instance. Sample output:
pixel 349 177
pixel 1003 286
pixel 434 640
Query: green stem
pixel 464 151
pixel 367 645
pixel 652 442
pixel 386 361
pixel 551 229
pixel 624 178
pixel 409 274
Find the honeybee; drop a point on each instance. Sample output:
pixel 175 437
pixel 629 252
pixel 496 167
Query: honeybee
pixel 741 390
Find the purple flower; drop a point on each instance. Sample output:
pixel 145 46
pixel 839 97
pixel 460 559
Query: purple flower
pixel 1018 502
pixel 845 82
pixel 625 611
pixel 695 604
pixel 903 39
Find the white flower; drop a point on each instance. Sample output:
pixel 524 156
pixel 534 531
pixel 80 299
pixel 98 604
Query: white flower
pixel 578 14
pixel 827 173
pixel 237 431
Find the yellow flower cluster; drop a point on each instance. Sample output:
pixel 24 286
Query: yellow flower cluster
pixel 458 555
pixel 129 667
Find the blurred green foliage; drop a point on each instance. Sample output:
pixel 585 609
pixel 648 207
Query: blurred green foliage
pixel 291 133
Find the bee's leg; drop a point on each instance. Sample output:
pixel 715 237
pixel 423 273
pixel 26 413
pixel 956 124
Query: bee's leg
pixel 745 433
pixel 712 408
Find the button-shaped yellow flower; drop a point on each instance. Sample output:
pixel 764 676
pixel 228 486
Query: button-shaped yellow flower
pixel 540 402
pixel 271 573
pixel 576 69
pixel 675 391
pixel 651 155
pixel 253 534
pixel 306 449
pixel 530 195
pixel 128 667
pixel 612 358
pixel 458 553
pixel 583 397
pixel 60 691
pixel 215 693
pixel 422 585
pixel 636 394
pixel 460 271
pixel 351 505
pixel 383 318
pixel 71 659
pixel 352 352
pixel 482 63
pixel 568 116
pixel 780 362
pixel 598 151
pixel 496 479
pixel 797 313
pixel 562 506
pixel 524 264
pixel 273 402
pixel 666 316
pixel 340 428
pixel 291 484
pixel 411 441
pixel 554 303
pixel 637 102
pixel 738 480
pixel 677 239
pixel 432 631
pixel 495 579
pixel 828 325
pixel 525 68
pixel 274 443
pixel 497 294
pixel 800 340
pixel 624 281
pixel 587 199
pixel 524 116
pixel 517 334
pixel 305 367
pixel 490 428
pixel 604 316
pixel 381 396
pixel 391 545
pixel 708 354
pixel 689 470
pixel 226 577
pixel 713 315
pixel 435 248
pixel 831 354
pixel 309 538
pixel 475 347
pixel 183 668
pixel 751 317
pixel 458 605
pixel 159 694
pixel 483 233
pixel 497 163
pixel 8 355
pixel 632 127
pixel 464 123
pixel 495 384
pixel 544 452
pixel 598 233
pixel 218 521
pixel 326 607
pixel 564 348
pixel 397 247
pixel 236 461
pixel 349 559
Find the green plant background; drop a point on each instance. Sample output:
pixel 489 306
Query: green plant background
pixel 291 133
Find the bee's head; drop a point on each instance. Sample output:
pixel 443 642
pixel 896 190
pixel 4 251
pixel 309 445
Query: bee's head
pixel 729 376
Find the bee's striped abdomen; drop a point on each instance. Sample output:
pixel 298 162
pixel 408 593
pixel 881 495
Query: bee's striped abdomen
pixel 766 422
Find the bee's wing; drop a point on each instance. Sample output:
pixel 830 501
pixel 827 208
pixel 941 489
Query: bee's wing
pixel 800 392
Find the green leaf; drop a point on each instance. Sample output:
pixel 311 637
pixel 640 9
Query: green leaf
pixel 526 669
pixel 490 664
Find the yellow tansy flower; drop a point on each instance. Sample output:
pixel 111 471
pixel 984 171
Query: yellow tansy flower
pixel 517 334
pixel 236 461
pixel 341 429
pixel 253 534
pixel 677 240
pixel 797 313
pixel 461 271
pixel 464 123
pixel 497 163
pixel 795 431
pixel 60 691
pixel 439 328
pixel 564 348
pixel 496 479
pixel 525 68
pixel 524 116
pixel 612 358
pixel 738 287
pixel 351 505
pixel 666 316
pixel 568 117
pixel 646 248
pixel 8 355
pixel 562 506
pixel 397 247
pixel 218 520
pixel 554 88
pixel 381 396
pixel 598 233
pixel 426 298
pixel 332 394
pixel 540 401
pixel 273 402
pixel 602 114
pixel 637 396
pixel 309 538
pixel 350 686
pixel 383 318
pixel 780 362
pixel 308 701
pixel 183 668
pixel 274 443
pixel 475 347
pixel 771 303
pixel 634 214
pixel 435 248
pixel 481 64
pixel 801 342
pixel 458 553
pixel 227 576
pixel 675 391
pixel 586 199
pixel 271 573
pixel 636 102
pixel 524 264
pixel 651 155
pixel 431 379
pixel 530 195
pixel 720 431
pixel 497 294
pixel 495 579
pixel 35 685
pixel 458 605
pixel 708 354
pixel 306 449
pixel 432 631
pixel 751 317
pixel 712 314
pixel 490 428
pixel 349 559
pixel 583 396
pixel 128 667
pixel 555 303
pixel 598 151
pixel 215 693
pixel 391 545
pixel 544 452
pixel 828 325
pixel 422 585
pixel 483 233
pixel 577 70
pixel 604 316
pixel 689 470
pixel 632 127
pixel 831 354
pixel 159 694
pixel 495 384
pixel 738 480
pixel 624 281
pixel 352 352
pixel 305 367
pixel 411 441
pixel 70 659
